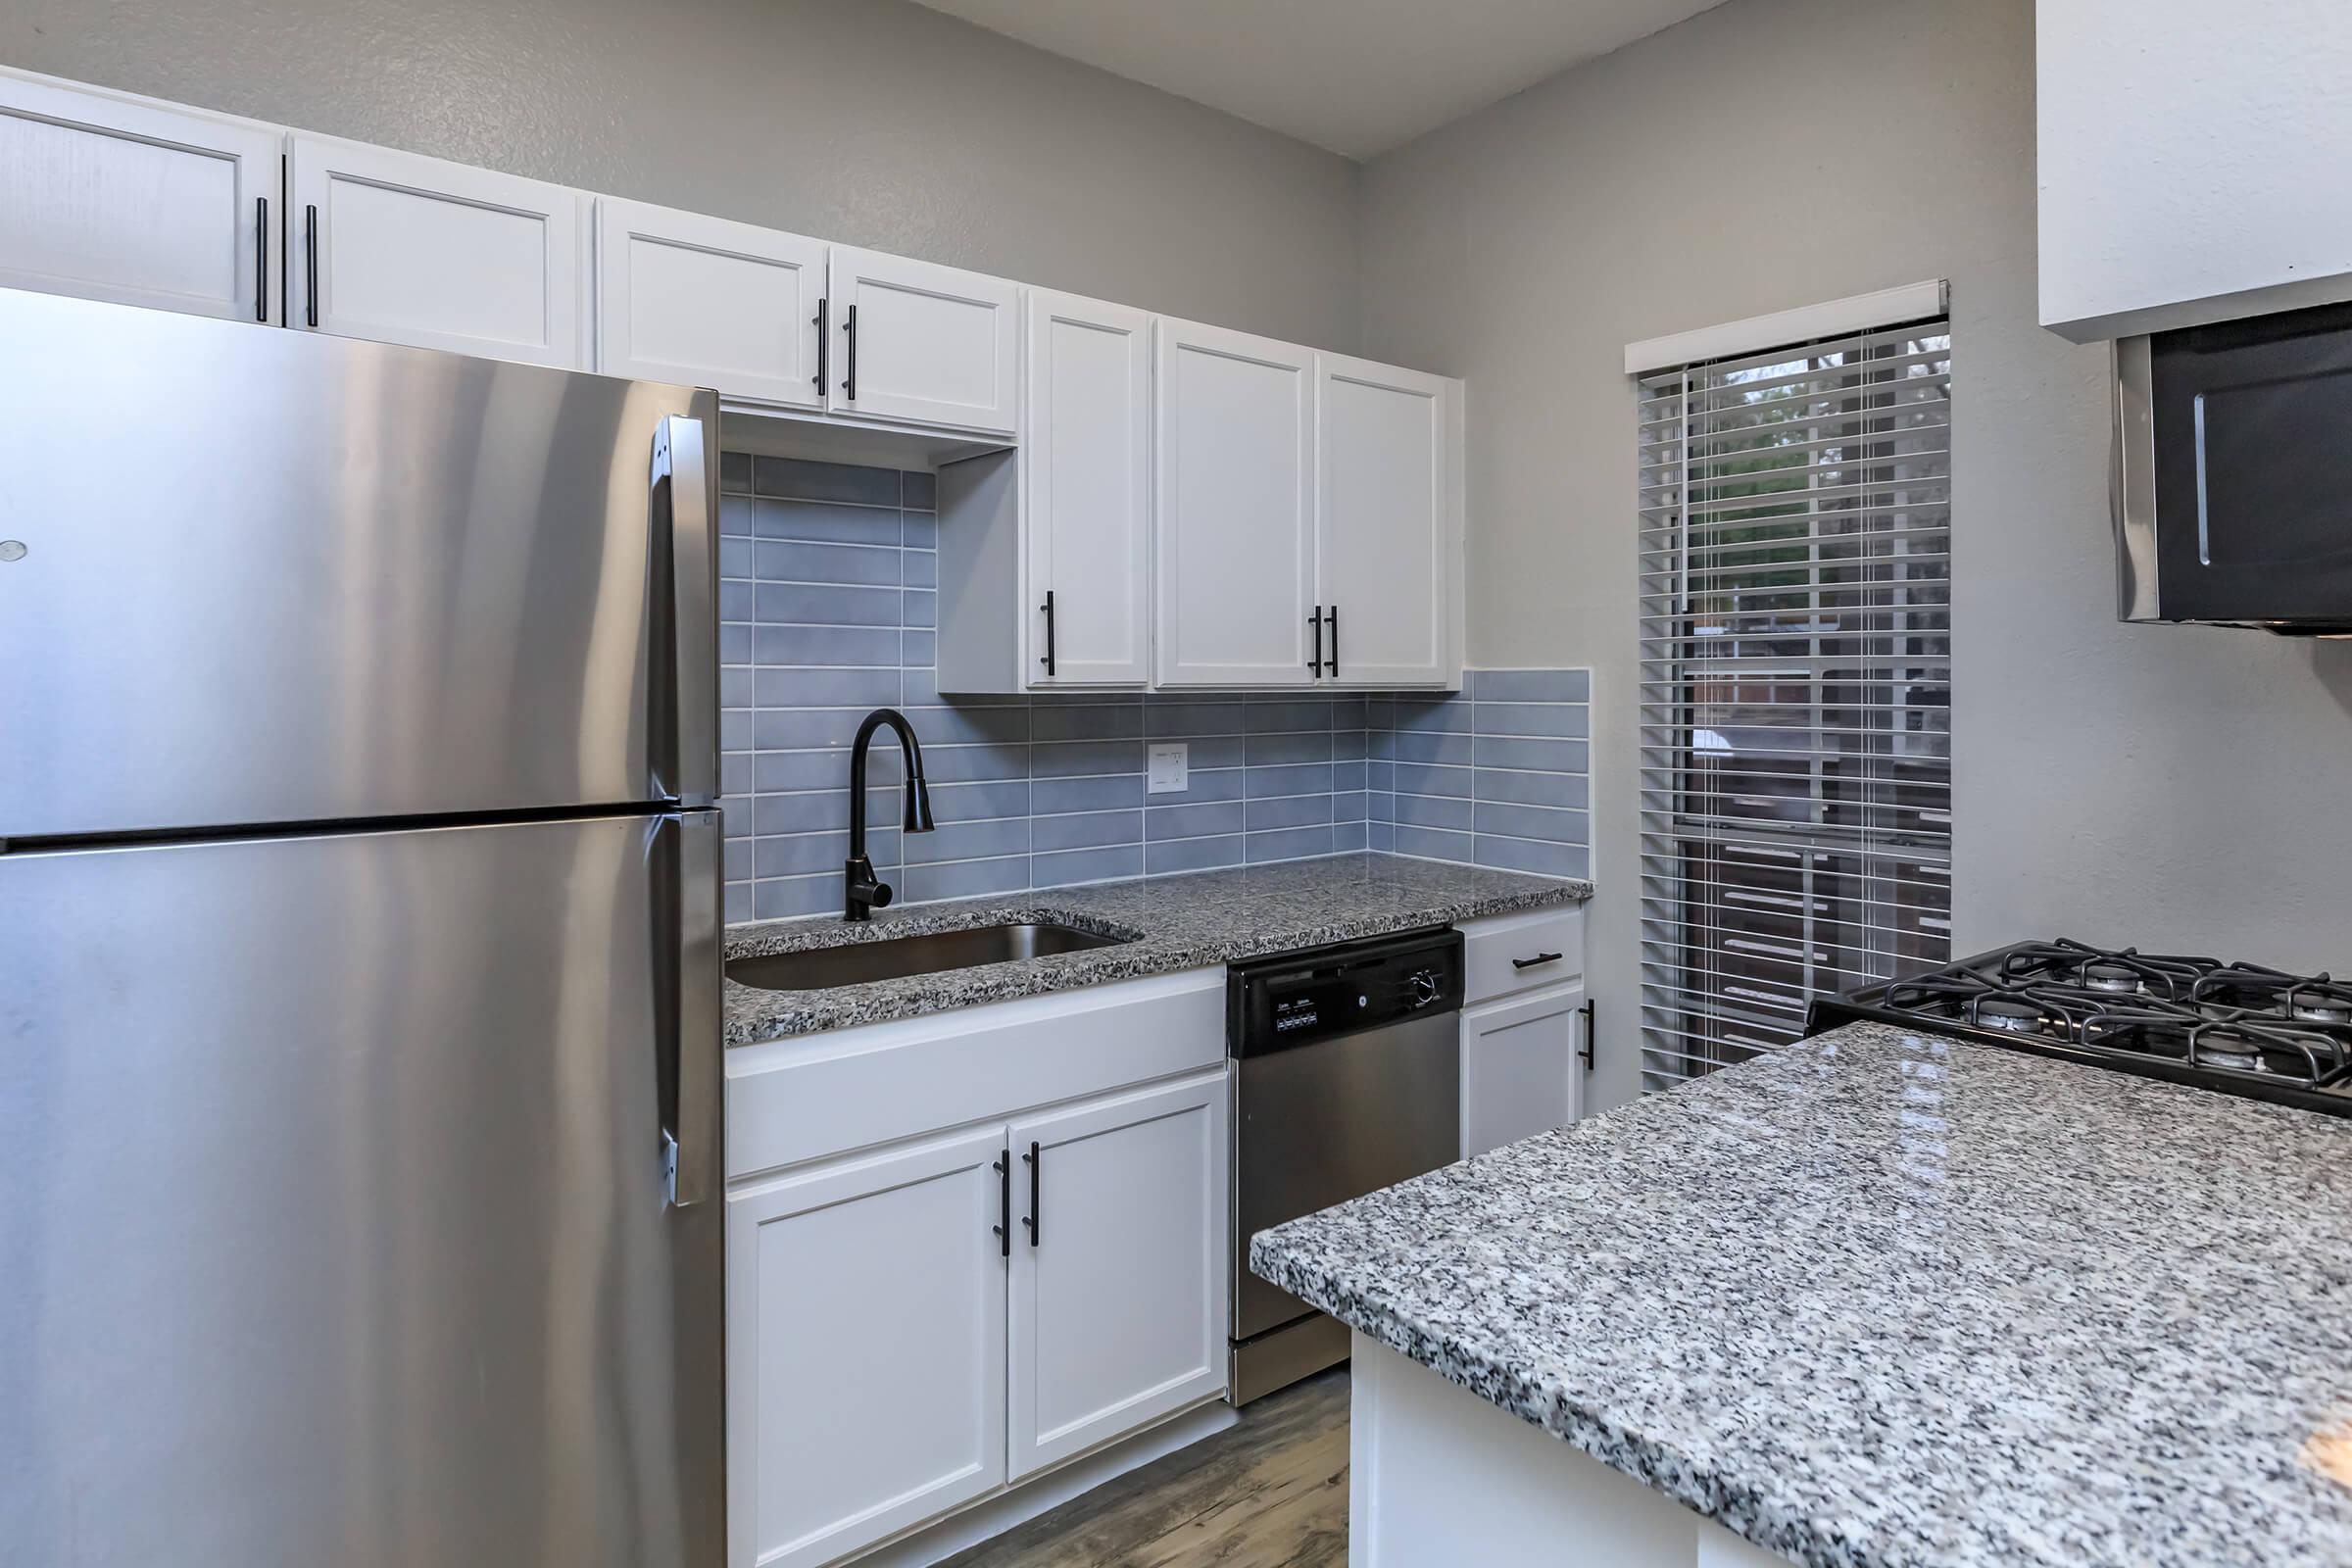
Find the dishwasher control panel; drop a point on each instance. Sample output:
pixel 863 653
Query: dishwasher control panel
pixel 1294 998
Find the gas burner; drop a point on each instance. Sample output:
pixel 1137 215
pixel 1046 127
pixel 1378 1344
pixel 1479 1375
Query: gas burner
pixel 2080 967
pixel 2318 1010
pixel 2317 999
pixel 2011 1015
pixel 2224 1047
pixel 2110 977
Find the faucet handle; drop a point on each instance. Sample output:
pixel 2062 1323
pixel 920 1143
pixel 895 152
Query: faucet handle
pixel 865 890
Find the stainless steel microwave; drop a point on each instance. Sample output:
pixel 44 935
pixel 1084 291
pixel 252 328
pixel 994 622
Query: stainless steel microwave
pixel 2232 481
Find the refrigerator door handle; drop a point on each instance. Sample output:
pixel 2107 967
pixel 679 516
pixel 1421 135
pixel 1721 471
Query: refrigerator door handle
pixel 685 675
pixel 687 957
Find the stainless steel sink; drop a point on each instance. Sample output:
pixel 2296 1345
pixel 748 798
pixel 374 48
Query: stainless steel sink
pixel 894 958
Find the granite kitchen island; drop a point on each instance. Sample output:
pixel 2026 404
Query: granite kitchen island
pixel 1884 1300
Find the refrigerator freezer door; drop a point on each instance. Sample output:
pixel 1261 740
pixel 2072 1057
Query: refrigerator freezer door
pixel 276 578
pixel 335 1227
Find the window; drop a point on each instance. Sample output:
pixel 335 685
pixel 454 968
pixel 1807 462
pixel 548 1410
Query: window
pixel 1796 648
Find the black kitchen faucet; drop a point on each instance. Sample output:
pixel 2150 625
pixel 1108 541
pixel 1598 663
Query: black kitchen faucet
pixel 866 892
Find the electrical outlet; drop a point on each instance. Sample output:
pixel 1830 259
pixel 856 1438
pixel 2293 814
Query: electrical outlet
pixel 1169 771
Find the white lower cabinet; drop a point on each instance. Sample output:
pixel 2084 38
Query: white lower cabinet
pixel 917 1320
pixel 1118 1277
pixel 866 1349
pixel 1522 1068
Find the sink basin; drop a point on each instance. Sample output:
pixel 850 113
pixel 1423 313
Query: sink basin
pixel 894 958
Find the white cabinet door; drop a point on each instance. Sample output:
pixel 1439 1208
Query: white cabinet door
pixel 866 1349
pixel 920 344
pixel 117 198
pixel 404 249
pixel 707 302
pixel 1235 507
pixel 1388 524
pixel 1119 1268
pixel 1521 1073
pixel 1087 498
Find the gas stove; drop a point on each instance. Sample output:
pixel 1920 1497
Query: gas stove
pixel 2235 1027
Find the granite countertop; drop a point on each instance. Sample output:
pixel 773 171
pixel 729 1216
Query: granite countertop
pixel 1173 922
pixel 1888 1298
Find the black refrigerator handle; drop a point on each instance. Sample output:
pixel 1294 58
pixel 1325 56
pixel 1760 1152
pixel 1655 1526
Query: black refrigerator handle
pixel 684 570
pixel 686 981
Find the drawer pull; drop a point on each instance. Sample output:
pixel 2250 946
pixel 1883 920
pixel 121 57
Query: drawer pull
pixel 1540 957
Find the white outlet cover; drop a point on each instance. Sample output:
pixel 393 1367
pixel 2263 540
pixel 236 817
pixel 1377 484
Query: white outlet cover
pixel 1168 769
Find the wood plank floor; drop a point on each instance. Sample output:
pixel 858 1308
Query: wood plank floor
pixel 1268 1492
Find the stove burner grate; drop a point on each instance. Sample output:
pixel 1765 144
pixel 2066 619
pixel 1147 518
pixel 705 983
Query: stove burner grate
pixel 2205 1021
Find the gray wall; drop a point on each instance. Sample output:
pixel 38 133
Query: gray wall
pixel 870 122
pixel 2171 786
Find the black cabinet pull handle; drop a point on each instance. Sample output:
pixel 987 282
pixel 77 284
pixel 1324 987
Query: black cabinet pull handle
pixel 825 348
pixel 1048 608
pixel 310 263
pixel 1584 1050
pixel 1540 957
pixel 848 386
pixel 1314 622
pixel 1035 1163
pixel 1333 666
pixel 261 258
pixel 1004 1226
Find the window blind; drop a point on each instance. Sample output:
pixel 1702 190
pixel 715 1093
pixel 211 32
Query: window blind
pixel 1795 686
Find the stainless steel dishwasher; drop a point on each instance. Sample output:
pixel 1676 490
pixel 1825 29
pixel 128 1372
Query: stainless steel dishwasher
pixel 1346 1079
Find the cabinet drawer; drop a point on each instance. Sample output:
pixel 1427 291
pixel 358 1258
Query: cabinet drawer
pixel 1495 952
pixel 794 1101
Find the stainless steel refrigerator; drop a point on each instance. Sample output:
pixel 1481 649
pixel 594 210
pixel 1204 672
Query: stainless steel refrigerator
pixel 358 954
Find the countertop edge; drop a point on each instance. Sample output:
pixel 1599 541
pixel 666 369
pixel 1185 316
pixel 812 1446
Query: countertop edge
pixel 824 1012
pixel 1703 1490
pixel 1700 1486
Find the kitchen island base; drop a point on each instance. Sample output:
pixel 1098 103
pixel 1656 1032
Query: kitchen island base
pixel 1438 1475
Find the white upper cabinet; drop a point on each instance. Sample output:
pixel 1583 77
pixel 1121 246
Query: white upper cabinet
pixel 2190 161
pixel 406 249
pixel 866 1349
pixel 709 302
pixel 1086 498
pixel 920 344
pixel 1235 509
pixel 110 197
pixel 1388 524
pixel 1118 1267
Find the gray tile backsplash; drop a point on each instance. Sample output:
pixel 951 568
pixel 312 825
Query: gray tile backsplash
pixel 826 608
pixel 1497 775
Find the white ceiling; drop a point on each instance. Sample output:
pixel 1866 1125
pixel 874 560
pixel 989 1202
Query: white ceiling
pixel 1356 77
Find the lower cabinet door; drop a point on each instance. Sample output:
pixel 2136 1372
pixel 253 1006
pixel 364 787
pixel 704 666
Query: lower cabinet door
pixel 1120 1266
pixel 866 1349
pixel 1521 1074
